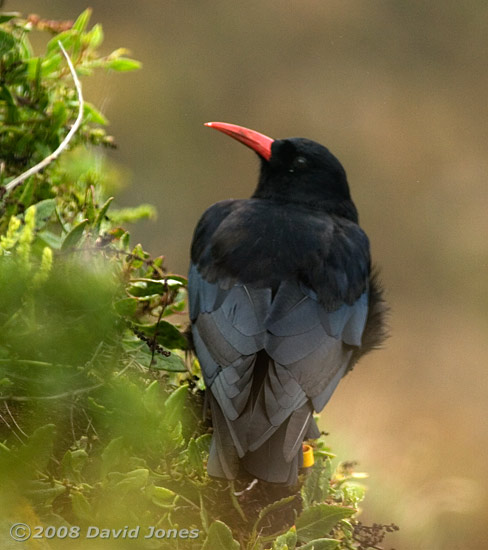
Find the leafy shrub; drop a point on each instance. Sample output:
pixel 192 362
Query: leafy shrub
pixel 102 435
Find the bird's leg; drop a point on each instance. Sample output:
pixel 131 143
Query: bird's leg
pixel 248 488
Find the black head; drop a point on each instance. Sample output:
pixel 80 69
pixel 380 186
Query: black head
pixel 296 171
pixel 302 171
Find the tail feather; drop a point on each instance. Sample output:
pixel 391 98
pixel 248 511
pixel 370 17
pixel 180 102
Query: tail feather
pixel 268 463
pixel 297 427
pixel 223 460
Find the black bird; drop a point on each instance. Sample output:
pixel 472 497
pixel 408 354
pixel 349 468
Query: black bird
pixel 283 302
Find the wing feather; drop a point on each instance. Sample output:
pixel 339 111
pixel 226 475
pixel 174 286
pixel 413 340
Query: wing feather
pixel 306 326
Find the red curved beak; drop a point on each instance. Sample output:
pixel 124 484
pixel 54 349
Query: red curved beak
pixel 256 141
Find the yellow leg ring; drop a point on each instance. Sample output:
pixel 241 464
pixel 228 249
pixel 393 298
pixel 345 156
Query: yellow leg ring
pixel 308 459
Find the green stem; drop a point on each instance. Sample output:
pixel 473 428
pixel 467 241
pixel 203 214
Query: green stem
pixel 235 502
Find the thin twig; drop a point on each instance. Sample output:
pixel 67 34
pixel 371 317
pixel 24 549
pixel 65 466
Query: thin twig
pixel 53 156
pixel 11 429
pixel 14 421
pixel 80 391
pixel 50 397
pixel 71 419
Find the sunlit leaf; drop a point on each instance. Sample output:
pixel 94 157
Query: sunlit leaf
pixel 95 37
pixel 123 64
pixel 92 114
pixel 83 19
pixel 67 38
pixel 162 497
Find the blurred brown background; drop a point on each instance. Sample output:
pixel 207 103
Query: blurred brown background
pixel 398 91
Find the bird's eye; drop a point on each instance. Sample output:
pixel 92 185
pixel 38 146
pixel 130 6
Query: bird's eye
pixel 298 164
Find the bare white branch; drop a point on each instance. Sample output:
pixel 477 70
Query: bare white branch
pixel 62 146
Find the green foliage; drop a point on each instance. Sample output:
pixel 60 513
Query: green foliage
pixel 100 407
pixel 220 538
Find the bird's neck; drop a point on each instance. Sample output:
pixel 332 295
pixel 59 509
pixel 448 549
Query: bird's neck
pixel 331 206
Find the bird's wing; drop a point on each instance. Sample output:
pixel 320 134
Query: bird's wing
pixel 271 355
pixel 307 351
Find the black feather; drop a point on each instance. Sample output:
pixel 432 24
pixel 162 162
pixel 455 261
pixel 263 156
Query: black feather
pixel 376 327
pixel 283 304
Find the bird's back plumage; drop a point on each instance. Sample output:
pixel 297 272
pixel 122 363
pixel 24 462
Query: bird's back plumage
pixel 280 297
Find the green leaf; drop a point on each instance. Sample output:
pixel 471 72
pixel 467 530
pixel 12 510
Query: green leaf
pixel 126 307
pixel 152 398
pixel 83 19
pixel 59 116
pixel 170 337
pixel 125 240
pixel 7 42
pixel 123 64
pixel 171 363
pixel 271 507
pixel 162 497
pixel 175 405
pixel 67 38
pixel 317 485
pixel 28 192
pixel 95 37
pixel 44 210
pixel 322 544
pixel 38 450
pixel 81 506
pixel 167 335
pixel 148 287
pixel 50 239
pixel 288 540
pixel 4 17
pixel 101 214
pixel 138 256
pixel 33 68
pixel 74 236
pixel 353 492
pixel 112 455
pixel 318 520
pixel 72 464
pixel 12 111
pixel 42 493
pixel 136 479
pixel 133 214
pixel 175 437
pixel 196 451
pixel 220 538
pixel 51 64
pixel 92 114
